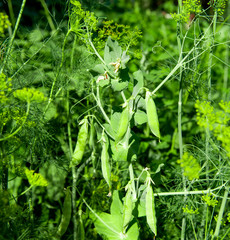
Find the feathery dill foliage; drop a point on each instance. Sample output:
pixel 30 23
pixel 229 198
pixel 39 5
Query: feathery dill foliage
pixel 85 25
pixel 189 6
pixel 218 5
pixel 216 120
pixel 81 69
pixel 190 165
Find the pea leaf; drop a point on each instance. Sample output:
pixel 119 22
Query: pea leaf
pixel 140 117
pixel 118 85
pixel 138 82
pixel 110 225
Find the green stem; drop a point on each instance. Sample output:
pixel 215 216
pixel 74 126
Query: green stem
pixel 13 36
pixel 98 55
pixel 180 63
pixel 226 233
pixel 109 226
pixel 180 48
pixel 72 52
pixel 98 100
pixel 187 192
pixel 49 19
pixel 226 68
pixel 74 184
pixel 74 173
pixel 221 213
pixel 206 222
pixel 28 189
pixel 11 11
pixel 58 72
pixel 193 228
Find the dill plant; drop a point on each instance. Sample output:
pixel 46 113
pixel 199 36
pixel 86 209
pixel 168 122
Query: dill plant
pixel 82 72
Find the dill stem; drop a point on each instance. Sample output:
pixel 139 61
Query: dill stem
pixel 13 36
pixel 226 68
pixel 49 19
pixel 58 72
pixel 221 213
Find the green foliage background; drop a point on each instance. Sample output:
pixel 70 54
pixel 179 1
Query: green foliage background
pixel 49 84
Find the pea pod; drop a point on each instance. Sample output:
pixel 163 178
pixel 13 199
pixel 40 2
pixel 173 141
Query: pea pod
pixel 66 214
pixel 128 208
pixel 152 114
pixel 105 166
pixel 150 209
pixel 123 124
pixel 81 143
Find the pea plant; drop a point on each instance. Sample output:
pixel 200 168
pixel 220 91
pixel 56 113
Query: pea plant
pixel 83 137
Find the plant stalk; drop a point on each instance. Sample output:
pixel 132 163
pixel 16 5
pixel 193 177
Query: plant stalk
pixel 13 36
pixel 58 72
pixel 221 213
pixel 49 19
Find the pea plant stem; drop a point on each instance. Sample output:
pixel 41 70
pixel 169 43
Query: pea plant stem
pixel 179 117
pixel 74 181
pixel 74 174
pixel 98 100
pixel 13 36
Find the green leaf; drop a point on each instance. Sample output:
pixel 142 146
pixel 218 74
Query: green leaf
pixel 138 82
pixel 116 206
pixel 110 226
pixel 103 82
pixel 133 232
pixel 118 85
pixel 140 117
pixel 112 51
pixel 120 152
pixel 99 68
pixel 115 118
pixel 124 59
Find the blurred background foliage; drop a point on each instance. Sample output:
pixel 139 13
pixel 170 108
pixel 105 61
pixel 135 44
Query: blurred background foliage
pixel 41 145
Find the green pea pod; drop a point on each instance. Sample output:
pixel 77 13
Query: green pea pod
pixel 152 115
pixel 123 124
pixel 150 209
pixel 127 209
pixel 81 143
pixel 105 166
pixel 66 214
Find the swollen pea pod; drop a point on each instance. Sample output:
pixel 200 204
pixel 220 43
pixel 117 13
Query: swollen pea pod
pixel 123 124
pixel 66 214
pixel 81 143
pixel 150 209
pixel 152 115
pixel 105 166
pixel 127 208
